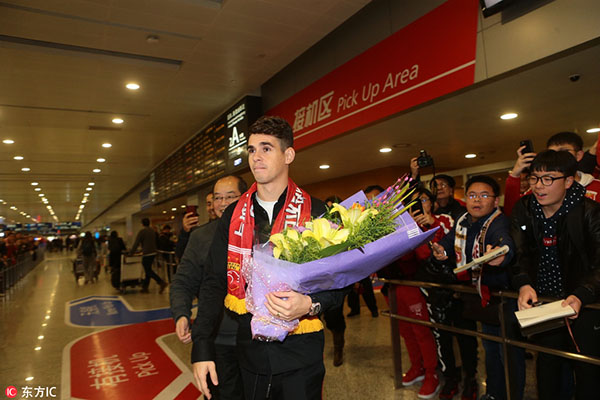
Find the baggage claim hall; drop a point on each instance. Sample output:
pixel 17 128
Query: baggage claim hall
pixel 116 113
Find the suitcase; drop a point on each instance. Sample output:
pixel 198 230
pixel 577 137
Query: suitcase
pixel 132 272
pixel 78 269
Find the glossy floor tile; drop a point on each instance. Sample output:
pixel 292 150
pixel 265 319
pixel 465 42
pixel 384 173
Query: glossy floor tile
pixel 85 341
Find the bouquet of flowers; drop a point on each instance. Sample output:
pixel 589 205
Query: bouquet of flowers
pixel 350 242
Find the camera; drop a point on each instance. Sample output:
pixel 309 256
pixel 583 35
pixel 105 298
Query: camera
pixel 424 160
pixel 574 77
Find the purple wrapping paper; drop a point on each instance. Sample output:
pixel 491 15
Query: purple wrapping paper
pixel 265 274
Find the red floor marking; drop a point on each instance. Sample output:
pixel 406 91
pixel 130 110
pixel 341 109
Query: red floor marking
pixel 122 362
pixel 189 393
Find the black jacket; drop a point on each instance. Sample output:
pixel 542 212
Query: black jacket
pixel 453 209
pixel 578 236
pixel 296 351
pixel 187 282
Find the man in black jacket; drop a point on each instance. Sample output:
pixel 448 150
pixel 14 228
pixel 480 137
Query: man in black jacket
pixel 292 369
pixel 187 284
pixel 557 234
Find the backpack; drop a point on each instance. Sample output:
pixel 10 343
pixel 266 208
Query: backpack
pixel 87 248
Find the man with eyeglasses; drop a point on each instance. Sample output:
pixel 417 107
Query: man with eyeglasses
pixel 481 229
pixel 187 283
pixel 557 233
pixel 442 187
pixel 562 141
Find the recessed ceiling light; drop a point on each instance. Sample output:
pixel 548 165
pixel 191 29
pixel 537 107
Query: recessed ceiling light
pixel 101 159
pixel 34 183
pixel 8 141
pixel 89 189
pixel 174 209
pixel 38 189
pixel 40 337
pixel 38 348
pixel 25 169
pixel 385 150
pixel 29 378
pixel 183 206
pixel 86 194
pixel 593 130
pixel 470 155
pixel 91 184
pixel 106 145
pixel 132 86
pixel 164 211
pixel 324 166
pixel 509 116
pixel 82 206
pixel 41 194
pixel 18 158
pixel 117 121
pixel 96 170
pixel 13 208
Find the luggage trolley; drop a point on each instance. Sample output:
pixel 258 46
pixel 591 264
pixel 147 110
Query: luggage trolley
pixel 132 272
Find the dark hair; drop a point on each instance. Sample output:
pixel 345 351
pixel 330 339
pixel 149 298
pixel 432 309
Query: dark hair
pixel 114 235
pixel 167 227
pixel 333 199
pixel 449 180
pixel 145 222
pixel 566 138
pixel 88 236
pixel 373 187
pixel 274 126
pixel 488 180
pixel 421 190
pixel 559 161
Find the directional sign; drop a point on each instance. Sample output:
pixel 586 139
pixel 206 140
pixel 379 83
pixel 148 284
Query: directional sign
pixel 126 362
pixel 109 311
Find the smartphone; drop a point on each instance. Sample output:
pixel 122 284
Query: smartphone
pixel 192 209
pixel 418 205
pixel 528 146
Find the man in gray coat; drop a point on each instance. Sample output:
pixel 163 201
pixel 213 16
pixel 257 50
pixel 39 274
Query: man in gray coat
pixel 148 238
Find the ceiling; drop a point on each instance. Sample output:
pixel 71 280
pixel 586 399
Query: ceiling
pixel 63 70
pixel 57 98
pixel 543 96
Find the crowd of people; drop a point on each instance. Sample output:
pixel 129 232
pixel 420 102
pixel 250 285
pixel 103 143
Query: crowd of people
pixel 550 224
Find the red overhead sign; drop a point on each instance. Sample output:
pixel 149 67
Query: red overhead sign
pixel 431 57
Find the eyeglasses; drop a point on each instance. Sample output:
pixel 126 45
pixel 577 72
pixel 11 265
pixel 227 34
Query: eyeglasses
pixel 232 197
pixel 482 196
pixel 547 180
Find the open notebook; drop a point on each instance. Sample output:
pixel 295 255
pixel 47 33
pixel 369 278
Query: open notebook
pixel 545 312
pixel 483 259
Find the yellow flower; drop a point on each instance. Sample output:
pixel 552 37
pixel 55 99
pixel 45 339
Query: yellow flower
pixel 320 229
pixel 353 217
pixel 281 242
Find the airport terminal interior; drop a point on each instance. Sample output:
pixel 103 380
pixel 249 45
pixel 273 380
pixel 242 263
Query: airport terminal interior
pixel 113 112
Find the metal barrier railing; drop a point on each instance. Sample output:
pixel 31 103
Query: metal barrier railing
pixel 168 260
pixel 503 339
pixel 11 274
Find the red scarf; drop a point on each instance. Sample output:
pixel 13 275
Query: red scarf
pixel 295 211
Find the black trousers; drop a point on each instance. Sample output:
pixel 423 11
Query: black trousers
pixel 368 295
pixel 230 377
pixel 586 330
pixel 449 312
pixel 147 262
pixel 300 384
